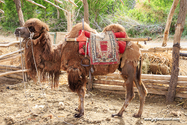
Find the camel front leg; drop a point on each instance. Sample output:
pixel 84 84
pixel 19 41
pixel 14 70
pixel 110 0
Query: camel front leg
pixel 56 80
pixel 81 94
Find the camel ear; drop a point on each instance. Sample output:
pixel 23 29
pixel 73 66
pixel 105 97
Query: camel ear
pixel 43 28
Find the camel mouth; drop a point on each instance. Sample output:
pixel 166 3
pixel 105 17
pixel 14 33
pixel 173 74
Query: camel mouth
pixel 22 32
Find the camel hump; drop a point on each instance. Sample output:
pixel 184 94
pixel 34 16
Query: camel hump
pixel 132 54
pixel 115 28
pixel 75 30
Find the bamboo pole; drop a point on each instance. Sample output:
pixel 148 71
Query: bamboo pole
pixel 134 39
pixel 12 72
pixel 10 58
pixel 56 6
pixel 122 39
pixel 9 44
pixel 15 76
pixel 7 67
pixel 36 4
pixel 9 54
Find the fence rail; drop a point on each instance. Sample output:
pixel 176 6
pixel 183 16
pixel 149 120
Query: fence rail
pixel 155 84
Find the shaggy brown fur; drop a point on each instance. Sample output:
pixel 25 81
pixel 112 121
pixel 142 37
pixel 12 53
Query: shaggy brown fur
pixel 71 61
pixel 47 58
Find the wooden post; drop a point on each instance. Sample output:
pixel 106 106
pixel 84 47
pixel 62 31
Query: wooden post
pixel 175 55
pixel 86 12
pixel 69 22
pixel 20 14
pixel 168 23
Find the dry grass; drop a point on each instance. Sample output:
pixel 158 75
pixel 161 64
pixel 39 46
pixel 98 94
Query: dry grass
pixel 163 61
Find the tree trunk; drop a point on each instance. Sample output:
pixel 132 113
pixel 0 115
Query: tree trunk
pixel 168 23
pixel 69 21
pixel 20 14
pixel 86 11
pixel 58 13
pixel 175 55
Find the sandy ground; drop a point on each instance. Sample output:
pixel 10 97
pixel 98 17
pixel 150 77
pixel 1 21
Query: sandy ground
pixel 36 104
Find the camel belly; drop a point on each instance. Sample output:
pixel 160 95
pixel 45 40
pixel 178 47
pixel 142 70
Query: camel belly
pixel 104 69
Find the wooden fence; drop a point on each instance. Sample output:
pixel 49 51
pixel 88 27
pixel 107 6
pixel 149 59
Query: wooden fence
pixel 155 84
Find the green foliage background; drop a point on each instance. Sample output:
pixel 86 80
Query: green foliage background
pixel 139 17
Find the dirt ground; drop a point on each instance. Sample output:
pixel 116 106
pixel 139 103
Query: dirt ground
pixel 36 104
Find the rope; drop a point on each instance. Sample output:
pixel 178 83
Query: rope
pixel 23 78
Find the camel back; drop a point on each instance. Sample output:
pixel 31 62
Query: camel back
pixel 132 51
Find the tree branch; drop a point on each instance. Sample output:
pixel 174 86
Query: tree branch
pixel 36 4
pixel 55 6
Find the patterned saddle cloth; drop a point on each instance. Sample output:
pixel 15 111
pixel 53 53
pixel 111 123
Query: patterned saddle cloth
pixel 103 49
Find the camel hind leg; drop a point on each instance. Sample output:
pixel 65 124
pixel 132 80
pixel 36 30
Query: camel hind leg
pixel 142 94
pixel 141 89
pixel 128 74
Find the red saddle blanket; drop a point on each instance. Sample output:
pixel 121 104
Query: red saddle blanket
pixel 121 44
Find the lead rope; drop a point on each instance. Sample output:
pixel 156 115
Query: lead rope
pixel 23 77
pixel 31 36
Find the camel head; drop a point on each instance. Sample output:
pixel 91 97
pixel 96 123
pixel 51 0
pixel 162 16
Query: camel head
pixel 32 25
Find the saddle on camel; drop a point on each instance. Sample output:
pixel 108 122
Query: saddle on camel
pixel 99 56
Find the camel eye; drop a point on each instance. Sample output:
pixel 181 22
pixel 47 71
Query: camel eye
pixel 31 29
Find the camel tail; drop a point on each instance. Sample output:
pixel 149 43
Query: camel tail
pixel 139 71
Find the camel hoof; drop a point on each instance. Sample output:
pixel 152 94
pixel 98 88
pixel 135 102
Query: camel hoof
pixel 77 109
pixel 78 115
pixel 113 115
pixel 136 115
